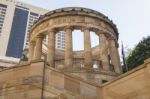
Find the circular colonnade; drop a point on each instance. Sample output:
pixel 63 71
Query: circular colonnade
pixel 86 20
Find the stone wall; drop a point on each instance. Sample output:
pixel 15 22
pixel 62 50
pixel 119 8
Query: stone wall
pixel 27 82
pixel 36 80
pixel 21 82
pixel 134 84
pixel 70 87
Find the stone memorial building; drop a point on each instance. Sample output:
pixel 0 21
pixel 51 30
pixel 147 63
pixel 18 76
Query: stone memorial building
pixel 68 74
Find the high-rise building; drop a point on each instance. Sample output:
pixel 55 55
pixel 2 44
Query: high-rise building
pixel 60 40
pixel 16 19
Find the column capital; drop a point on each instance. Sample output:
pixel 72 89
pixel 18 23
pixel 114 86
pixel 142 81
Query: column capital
pixel 52 30
pixel 103 35
pixel 85 28
pixel 101 31
pixel 111 38
pixel 40 36
pixel 113 41
pixel 32 43
pixel 68 27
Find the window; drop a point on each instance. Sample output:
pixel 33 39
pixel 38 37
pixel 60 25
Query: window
pixel 58 46
pixel 15 45
pixel 2 16
pixel 59 43
pixel 3 9
pixel 58 40
pixel 2 12
pixel 32 18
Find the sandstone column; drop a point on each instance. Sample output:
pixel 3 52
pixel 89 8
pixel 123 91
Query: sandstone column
pixel 87 49
pixel 51 49
pixel 31 50
pixel 38 48
pixel 68 47
pixel 103 51
pixel 115 60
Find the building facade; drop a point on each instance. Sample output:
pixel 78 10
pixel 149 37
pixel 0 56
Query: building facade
pixel 8 62
pixel 16 19
pixel 60 40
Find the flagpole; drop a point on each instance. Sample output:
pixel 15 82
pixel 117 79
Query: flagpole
pixel 123 57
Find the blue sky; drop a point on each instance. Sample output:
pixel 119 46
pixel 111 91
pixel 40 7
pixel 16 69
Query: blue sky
pixel 132 17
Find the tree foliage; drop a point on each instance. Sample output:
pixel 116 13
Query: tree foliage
pixel 139 53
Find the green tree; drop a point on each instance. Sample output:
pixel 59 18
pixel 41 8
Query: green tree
pixel 141 52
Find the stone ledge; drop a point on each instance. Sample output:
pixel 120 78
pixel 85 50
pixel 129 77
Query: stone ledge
pixel 16 66
pixel 72 76
pixel 147 61
pixel 126 74
pixel 35 61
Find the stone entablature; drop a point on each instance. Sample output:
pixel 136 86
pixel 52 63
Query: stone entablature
pixel 73 11
pixel 77 22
